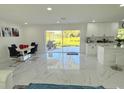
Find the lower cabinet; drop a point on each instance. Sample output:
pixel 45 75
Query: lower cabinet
pixel 91 49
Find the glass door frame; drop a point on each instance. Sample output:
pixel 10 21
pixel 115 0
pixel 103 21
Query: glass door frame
pixel 46 51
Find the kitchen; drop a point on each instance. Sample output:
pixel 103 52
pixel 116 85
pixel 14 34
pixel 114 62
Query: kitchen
pixel 102 42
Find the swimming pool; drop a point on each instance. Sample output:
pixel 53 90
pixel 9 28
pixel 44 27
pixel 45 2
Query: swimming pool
pixel 60 56
pixel 66 49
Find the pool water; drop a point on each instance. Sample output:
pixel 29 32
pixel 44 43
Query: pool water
pixel 66 49
pixel 63 57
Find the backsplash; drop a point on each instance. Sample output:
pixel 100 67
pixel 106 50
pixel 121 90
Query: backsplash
pixel 98 39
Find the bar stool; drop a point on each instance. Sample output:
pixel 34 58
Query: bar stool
pixel 117 60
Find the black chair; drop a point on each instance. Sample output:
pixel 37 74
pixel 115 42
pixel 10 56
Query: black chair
pixel 32 51
pixel 33 44
pixel 13 52
pixel 36 47
pixel 14 55
pixel 13 45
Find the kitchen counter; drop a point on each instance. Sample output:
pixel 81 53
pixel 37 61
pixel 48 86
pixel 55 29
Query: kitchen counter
pixel 109 55
pixel 91 48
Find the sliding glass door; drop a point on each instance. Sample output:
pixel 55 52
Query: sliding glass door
pixel 71 41
pixel 54 41
pixel 63 48
pixel 63 41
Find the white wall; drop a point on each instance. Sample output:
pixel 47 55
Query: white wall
pixel 37 33
pixel 121 24
pixel 99 29
pixel 7 41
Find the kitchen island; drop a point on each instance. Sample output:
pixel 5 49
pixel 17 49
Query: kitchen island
pixel 91 48
pixel 109 55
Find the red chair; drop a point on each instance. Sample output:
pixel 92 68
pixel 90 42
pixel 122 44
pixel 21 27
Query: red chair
pixel 21 46
pixel 25 46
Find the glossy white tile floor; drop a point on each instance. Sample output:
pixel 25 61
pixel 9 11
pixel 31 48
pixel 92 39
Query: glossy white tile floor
pixel 42 69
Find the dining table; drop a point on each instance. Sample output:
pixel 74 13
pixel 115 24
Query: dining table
pixel 22 51
pixel 24 56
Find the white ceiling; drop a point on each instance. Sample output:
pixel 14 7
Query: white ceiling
pixel 74 13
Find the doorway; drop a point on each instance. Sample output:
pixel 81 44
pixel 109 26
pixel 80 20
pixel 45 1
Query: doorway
pixel 63 48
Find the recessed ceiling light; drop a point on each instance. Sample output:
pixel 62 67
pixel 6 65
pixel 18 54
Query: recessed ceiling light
pixel 58 22
pixel 26 23
pixel 49 8
pixel 122 20
pixel 93 21
pixel 117 88
pixel 122 5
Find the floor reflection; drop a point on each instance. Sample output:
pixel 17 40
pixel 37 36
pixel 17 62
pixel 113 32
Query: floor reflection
pixel 63 60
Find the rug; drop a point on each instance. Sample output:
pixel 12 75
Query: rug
pixel 56 86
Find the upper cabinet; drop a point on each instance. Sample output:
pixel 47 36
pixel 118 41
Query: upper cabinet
pixel 101 29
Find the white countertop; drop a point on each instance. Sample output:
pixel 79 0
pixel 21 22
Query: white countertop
pixel 112 46
pixel 109 55
pixel 104 44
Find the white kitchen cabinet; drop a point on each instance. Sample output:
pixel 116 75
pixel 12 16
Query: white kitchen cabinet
pixel 92 29
pixel 101 29
pixel 91 49
pixel 110 55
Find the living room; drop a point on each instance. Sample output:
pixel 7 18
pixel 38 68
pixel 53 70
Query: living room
pixel 90 57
